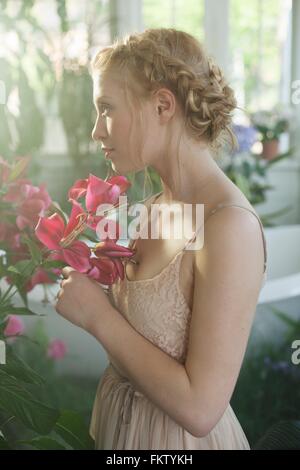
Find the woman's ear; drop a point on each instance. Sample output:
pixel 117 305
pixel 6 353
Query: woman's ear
pixel 165 103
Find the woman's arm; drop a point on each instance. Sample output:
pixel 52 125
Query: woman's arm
pixel 228 279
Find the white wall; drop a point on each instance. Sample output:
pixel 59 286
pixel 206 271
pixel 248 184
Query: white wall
pixel 285 177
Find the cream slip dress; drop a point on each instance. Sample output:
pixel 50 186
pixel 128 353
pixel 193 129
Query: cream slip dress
pixel 124 418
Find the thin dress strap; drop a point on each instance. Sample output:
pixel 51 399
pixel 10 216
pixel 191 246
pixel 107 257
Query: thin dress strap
pixel 220 206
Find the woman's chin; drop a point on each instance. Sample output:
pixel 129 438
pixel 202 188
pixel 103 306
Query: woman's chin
pixel 121 169
pixel 117 169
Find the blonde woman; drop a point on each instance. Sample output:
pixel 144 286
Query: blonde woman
pixel 176 328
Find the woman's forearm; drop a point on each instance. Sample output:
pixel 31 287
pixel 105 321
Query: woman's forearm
pixel 162 379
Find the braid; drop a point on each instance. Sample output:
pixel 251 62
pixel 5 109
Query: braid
pixel 176 60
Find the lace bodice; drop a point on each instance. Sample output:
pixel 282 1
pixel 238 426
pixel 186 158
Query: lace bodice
pixel 157 308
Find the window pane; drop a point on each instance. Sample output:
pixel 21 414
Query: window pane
pixel 186 15
pixel 258 48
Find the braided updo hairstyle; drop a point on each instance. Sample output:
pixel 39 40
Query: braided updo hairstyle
pixel 166 57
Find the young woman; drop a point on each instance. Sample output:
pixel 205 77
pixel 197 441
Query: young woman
pixel 176 328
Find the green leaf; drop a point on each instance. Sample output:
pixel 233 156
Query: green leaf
pixel 16 368
pixel 5 307
pixel 284 317
pixel 53 264
pixel 4 444
pixel 90 237
pixel 73 430
pixel 243 184
pixel 24 268
pixel 11 310
pixel 20 403
pixel 18 169
pixel 13 269
pixel 34 249
pixel 284 435
pixel 43 443
pixel 22 294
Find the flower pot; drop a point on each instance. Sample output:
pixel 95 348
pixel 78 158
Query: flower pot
pixel 270 149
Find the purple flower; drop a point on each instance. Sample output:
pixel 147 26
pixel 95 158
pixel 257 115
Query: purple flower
pixel 267 360
pixel 283 366
pixel 246 137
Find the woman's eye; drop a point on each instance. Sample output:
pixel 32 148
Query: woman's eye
pixel 103 108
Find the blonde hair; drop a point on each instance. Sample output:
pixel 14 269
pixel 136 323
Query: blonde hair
pixel 173 59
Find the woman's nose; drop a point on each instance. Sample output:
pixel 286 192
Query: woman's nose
pixel 99 131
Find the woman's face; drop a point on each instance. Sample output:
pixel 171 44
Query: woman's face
pixel 116 126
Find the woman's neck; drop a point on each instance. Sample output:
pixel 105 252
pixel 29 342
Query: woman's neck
pixel 193 180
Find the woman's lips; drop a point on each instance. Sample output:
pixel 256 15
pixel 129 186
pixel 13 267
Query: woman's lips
pixel 108 152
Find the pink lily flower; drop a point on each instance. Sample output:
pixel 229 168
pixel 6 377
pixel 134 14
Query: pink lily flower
pixel 52 233
pixel 108 266
pixel 78 189
pixel 111 249
pixel 98 191
pixel 32 202
pixel 106 270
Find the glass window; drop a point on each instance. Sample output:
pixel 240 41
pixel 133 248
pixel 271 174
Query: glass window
pixel 186 15
pixel 259 48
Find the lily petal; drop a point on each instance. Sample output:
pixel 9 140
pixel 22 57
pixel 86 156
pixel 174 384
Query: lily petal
pixel 104 270
pixel 77 255
pixel 96 191
pixel 49 231
pixel 74 218
pixel 121 181
pixel 113 194
pixel 78 189
pixel 93 221
pixel 110 248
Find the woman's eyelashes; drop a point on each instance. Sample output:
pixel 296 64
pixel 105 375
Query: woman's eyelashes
pixel 103 108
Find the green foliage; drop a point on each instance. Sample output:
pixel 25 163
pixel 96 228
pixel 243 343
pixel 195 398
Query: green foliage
pixel 71 428
pixel 284 435
pixel 28 72
pixel 267 390
pixel 255 47
pixel 32 71
pixel 20 403
pixel 249 172
pixel 62 13
pixel 75 96
pixel 35 404
pixel 25 408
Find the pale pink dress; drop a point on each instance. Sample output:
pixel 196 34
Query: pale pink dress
pixel 124 418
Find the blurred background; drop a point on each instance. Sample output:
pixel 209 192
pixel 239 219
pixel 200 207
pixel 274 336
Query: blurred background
pixel 47 113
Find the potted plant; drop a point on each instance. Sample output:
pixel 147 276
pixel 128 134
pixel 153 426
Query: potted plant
pixel 271 125
pixel 248 171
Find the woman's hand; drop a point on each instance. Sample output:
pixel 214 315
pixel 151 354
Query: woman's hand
pixel 81 300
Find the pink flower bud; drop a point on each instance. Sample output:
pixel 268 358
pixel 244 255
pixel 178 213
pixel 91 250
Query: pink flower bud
pixel 56 349
pixel 15 326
